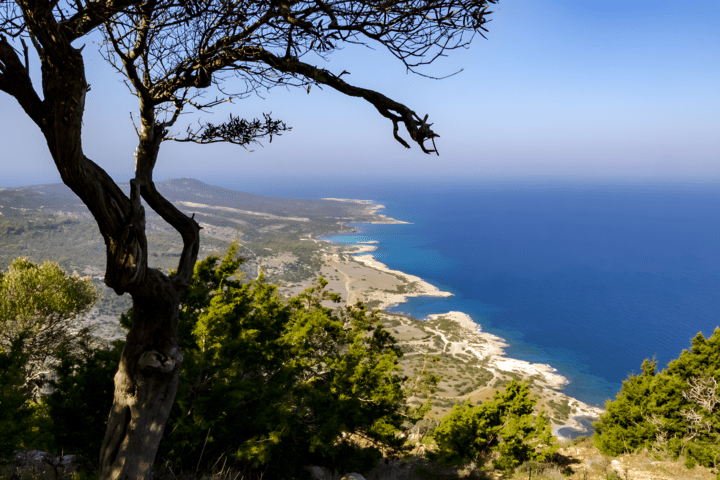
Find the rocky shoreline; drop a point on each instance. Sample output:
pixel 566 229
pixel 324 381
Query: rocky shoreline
pixel 356 274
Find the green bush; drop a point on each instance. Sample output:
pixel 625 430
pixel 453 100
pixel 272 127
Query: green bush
pixel 83 395
pixel 270 386
pixel 39 305
pixel 14 397
pixel 673 412
pixel 505 425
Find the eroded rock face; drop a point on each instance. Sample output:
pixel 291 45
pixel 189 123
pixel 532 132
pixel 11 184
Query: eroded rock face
pixel 38 461
pixel 353 476
pixel 322 473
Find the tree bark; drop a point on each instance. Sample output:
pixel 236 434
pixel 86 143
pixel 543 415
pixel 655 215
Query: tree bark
pixel 146 382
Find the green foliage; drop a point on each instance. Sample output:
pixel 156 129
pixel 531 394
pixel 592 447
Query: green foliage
pixel 266 385
pixel 38 306
pixel 30 292
pixel 73 417
pixel 14 411
pixel 626 427
pixel 674 411
pixel 82 397
pixel 703 358
pixel 505 425
pixel 272 385
pixel 40 303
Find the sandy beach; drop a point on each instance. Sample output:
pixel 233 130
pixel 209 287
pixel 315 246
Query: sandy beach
pixel 354 273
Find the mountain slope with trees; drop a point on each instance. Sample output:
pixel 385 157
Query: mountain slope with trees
pixel 269 385
pixel 43 222
pixel 673 412
pixel 169 53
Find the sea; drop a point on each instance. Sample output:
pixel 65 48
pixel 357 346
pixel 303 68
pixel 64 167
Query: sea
pixel 591 278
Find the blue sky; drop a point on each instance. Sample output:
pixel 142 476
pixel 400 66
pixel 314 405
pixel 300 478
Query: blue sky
pixel 618 90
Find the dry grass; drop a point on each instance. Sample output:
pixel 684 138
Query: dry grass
pixel 587 463
pixel 577 460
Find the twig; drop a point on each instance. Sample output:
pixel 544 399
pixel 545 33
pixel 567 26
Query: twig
pixel 197 469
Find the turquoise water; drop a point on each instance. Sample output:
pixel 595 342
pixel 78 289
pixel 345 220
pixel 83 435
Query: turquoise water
pixel 591 279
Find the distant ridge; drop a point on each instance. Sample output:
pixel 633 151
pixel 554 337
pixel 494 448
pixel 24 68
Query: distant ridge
pixel 188 188
pixel 57 196
pixel 279 236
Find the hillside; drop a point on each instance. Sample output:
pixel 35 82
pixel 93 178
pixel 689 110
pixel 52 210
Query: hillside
pixel 50 222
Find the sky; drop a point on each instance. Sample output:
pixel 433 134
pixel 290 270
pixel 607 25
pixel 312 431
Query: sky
pixel 613 90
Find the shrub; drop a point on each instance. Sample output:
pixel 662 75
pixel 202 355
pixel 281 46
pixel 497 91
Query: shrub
pixel 673 412
pixel 505 425
pixel 83 395
pixel 14 411
pixel 272 385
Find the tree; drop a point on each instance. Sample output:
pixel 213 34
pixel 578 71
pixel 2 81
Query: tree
pixel 39 309
pixel 505 425
pixel 81 397
pixel 271 385
pixel 672 412
pixel 40 305
pixel 170 52
pixel 14 411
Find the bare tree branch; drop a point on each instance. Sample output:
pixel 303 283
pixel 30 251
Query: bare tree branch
pixel 703 392
pixel 235 130
pixel 259 43
pixel 418 129
pixel 15 80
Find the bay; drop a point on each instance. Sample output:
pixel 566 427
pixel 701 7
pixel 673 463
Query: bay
pixel 588 278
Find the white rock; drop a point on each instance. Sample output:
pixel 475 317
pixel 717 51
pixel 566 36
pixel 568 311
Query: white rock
pixel 353 476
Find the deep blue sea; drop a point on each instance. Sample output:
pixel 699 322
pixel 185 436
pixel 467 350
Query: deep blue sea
pixel 589 278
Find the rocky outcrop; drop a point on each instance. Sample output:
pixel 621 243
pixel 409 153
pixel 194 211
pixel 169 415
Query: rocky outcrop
pixel 36 461
pixel 322 473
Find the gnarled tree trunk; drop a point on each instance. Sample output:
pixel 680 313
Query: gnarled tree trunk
pixel 147 378
pixel 146 381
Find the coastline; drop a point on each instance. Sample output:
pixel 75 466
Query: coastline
pixel 371 208
pixel 356 274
